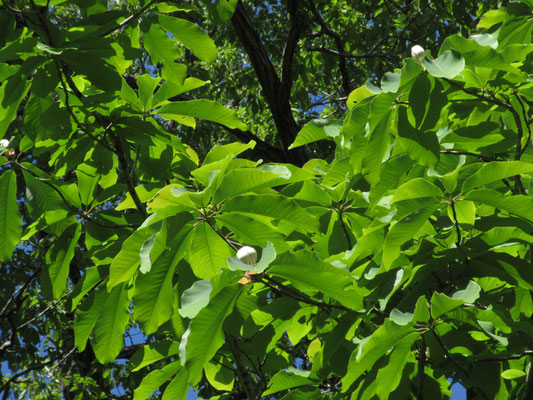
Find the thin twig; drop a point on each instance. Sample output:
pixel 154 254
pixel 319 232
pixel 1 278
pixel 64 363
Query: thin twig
pixel 119 151
pixel 129 19
pixel 421 367
pixel 456 223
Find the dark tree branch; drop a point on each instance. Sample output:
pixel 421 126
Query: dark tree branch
pixel 421 373
pixel 241 370
pixel 340 48
pixel 270 83
pixel 119 151
pixel 297 21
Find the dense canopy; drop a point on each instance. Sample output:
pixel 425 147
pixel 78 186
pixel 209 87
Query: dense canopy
pixel 388 198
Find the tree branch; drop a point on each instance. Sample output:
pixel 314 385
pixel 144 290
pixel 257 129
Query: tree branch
pixel 129 19
pixel 340 48
pixel 270 84
pixel 297 21
pixel 119 151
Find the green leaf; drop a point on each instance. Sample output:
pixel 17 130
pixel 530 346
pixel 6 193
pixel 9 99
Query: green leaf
pixel 520 205
pixel 147 85
pixel 91 277
pixel 448 65
pixel 219 376
pixel 178 388
pixel 244 180
pixel 10 219
pixel 468 295
pixel 465 211
pixel 441 304
pixel 208 252
pixel 513 373
pixel 422 147
pixel 391 81
pixel 416 188
pixel 274 206
pixel 317 129
pixel 373 348
pixel 110 325
pixel 203 109
pixel 288 379
pixel 127 260
pixel 495 171
pixel 155 379
pixel 205 332
pixel 306 272
pixel 158 44
pixel 153 352
pixel 389 377
pixel 191 35
pixel 87 180
pixel 152 298
pixel 86 316
pixel 55 272
pixel 402 231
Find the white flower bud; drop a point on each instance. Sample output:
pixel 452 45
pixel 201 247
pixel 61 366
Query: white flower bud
pixel 4 143
pixel 417 52
pixel 247 255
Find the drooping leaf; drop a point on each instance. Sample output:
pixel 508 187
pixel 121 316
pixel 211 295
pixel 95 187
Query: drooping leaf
pixel 206 335
pixel 110 325
pixel 191 35
pixel 10 219
pixel 155 379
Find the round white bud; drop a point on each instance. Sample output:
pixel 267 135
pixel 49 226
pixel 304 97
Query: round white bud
pixel 417 52
pixel 247 255
pixel 4 143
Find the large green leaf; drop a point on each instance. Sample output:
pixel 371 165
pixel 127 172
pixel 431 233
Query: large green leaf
pixel 389 377
pixel 208 252
pixel 153 352
pixel 416 188
pixel 288 379
pixel 158 44
pixel 274 206
pixel 441 304
pixel 205 334
pixel 191 35
pixel 402 231
pixel 152 297
pixel 374 347
pixel 494 171
pixel 10 219
pixel 520 205
pixel 155 379
pixel 422 147
pixel 315 130
pixel 448 65
pixel 87 314
pixel 127 260
pixel 178 388
pixel 305 271
pixel 55 272
pixel 110 325
pixel 203 109
pixel 240 181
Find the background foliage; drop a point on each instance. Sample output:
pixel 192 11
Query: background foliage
pixel 389 199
